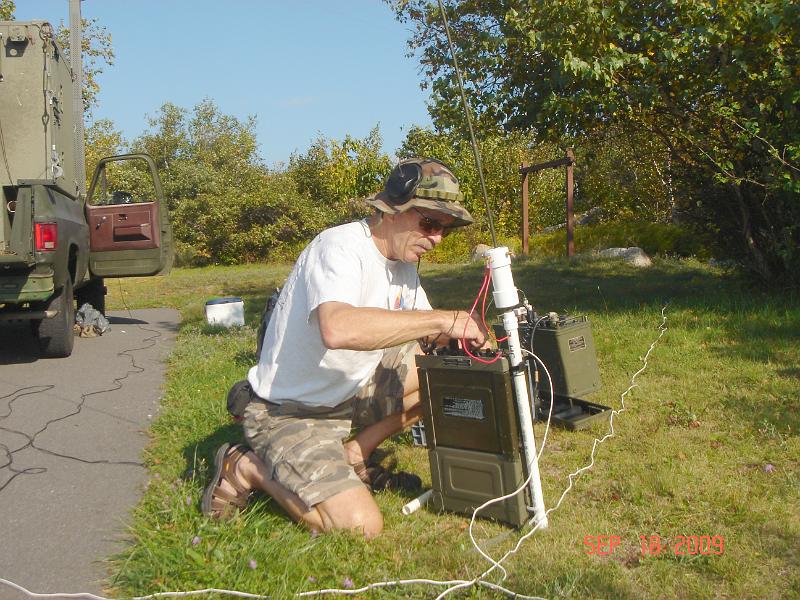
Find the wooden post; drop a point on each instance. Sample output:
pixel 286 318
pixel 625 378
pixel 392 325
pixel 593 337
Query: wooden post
pixel 526 170
pixel 570 207
pixel 525 230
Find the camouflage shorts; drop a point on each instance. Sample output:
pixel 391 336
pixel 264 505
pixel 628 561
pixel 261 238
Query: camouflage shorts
pixel 302 446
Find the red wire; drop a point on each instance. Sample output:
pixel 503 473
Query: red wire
pixel 483 317
pixel 483 307
pixel 484 289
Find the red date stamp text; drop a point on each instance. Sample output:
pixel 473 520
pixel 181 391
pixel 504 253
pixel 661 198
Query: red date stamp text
pixel 656 545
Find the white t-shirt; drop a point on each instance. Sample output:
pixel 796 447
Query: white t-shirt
pixel 341 264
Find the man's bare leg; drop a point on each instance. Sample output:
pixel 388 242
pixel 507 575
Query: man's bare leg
pixel 362 445
pixel 353 509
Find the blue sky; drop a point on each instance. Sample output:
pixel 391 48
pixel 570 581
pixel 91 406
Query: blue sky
pixel 303 67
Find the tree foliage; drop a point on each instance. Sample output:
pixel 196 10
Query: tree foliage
pixel 502 155
pixel 7 8
pixel 629 175
pixel 102 140
pixel 336 175
pixel 205 152
pixel 226 206
pixel 715 82
pixel 97 53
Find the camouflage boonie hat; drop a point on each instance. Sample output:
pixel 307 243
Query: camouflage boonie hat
pixel 424 183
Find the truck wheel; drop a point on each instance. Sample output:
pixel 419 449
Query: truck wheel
pixel 94 293
pixel 56 337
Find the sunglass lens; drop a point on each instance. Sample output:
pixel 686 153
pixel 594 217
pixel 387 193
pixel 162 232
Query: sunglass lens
pixel 429 225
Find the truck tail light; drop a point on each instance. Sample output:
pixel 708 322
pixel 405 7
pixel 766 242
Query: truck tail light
pixel 46 236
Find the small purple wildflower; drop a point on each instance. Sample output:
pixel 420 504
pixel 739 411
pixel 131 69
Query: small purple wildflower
pixel 347 583
pixel 312 579
pixel 769 468
pixel 252 564
pixel 314 533
pixel 188 500
pixel 196 540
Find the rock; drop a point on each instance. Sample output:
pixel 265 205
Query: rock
pixel 590 217
pixel 722 264
pixel 479 251
pixel 553 228
pixel 634 256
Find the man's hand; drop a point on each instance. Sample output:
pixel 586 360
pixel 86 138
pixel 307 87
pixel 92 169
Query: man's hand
pixel 468 328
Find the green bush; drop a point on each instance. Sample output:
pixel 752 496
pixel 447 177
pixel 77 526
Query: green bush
pixel 458 246
pixel 654 238
pixel 186 255
pixel 265 223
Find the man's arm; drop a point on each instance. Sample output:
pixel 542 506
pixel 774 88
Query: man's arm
pixel 359 328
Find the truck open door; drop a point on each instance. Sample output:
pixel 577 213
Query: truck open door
pixel 129 228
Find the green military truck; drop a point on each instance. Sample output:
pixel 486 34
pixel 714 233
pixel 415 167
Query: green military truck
pixel 56 243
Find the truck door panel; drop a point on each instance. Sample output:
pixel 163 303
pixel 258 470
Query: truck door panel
pixel 129 231
pixel 124 227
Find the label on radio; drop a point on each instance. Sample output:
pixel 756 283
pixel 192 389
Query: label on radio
pixel 577 343
pixel 456 361
pixel 465 408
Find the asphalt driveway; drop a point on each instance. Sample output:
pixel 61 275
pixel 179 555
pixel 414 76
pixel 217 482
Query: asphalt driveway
pixel 72 432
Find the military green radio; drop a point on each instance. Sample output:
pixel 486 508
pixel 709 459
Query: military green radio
pixel 566 346
pixel 471 432
pixel 470 422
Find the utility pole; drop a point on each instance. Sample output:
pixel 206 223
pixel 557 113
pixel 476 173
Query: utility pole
pixel 76 64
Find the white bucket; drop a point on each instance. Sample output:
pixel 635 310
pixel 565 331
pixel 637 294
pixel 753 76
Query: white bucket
pixel 228 312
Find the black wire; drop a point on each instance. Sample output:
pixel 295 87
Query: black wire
pixel 536 366
pixel 31 443
pixel 16 397
pixel 17 472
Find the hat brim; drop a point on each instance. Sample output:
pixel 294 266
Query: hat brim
pixel 461 215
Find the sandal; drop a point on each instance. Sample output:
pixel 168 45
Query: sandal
pixel 378 478
pixel 218 503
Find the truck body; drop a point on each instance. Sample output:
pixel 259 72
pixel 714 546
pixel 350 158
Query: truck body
pixel 56 244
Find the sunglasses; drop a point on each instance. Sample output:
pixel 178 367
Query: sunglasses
pixel 431 226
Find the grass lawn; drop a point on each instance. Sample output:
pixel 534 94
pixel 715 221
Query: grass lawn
pixel 708 446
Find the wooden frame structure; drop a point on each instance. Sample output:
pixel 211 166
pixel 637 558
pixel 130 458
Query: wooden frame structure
pixel 567 161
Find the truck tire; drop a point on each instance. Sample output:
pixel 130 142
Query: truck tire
pixel 56 336
pixel 93 293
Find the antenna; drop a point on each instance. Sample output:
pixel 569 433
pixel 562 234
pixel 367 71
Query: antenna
pixel 506 298
pixel 475 152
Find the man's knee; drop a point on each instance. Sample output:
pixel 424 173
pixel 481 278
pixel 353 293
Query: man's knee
pixel 353 510
pixel 369 522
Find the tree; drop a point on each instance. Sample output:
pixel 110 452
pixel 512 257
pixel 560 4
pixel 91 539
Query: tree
pixel 168 142
pixel 226 206
pixel 7 8
pixel 337 174
pixel 626 173
pixel 205 152
pixel 715 82
pixel 96 50
pixel 102 140
pixel 502 154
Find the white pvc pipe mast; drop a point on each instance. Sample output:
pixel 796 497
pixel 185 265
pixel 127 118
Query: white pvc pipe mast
pixel 506 297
